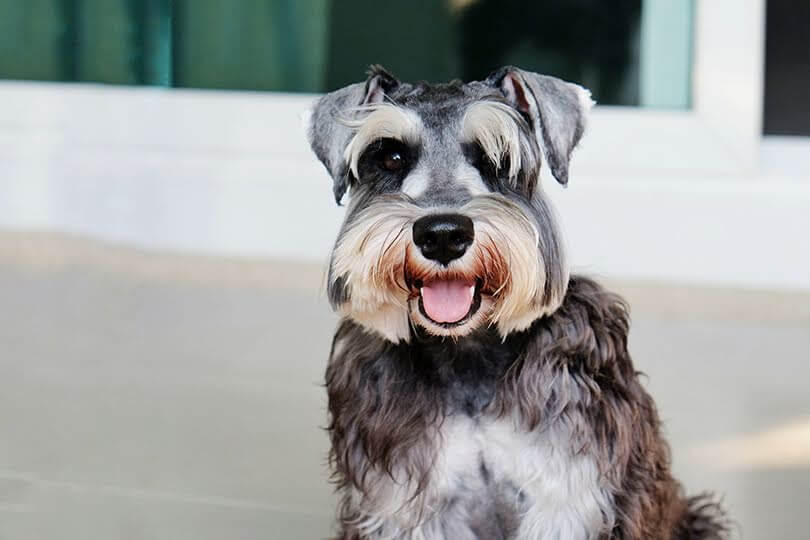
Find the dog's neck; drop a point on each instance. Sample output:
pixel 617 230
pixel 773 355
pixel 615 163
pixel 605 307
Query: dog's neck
pixel 467 369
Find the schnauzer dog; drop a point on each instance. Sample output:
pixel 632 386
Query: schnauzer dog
pixel 476 390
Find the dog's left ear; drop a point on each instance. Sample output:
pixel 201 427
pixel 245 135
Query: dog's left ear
pixel 557 112
pixel 327 131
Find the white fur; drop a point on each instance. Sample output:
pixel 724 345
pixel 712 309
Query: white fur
pixel 465 176
pixel 379 121
pixel 378 298
pixel 494 126
pixel 586 101
pixel 416 183
pixel 565 497
pixel 468 177
pixel 390 320
pixel 502 224
pixel 366 256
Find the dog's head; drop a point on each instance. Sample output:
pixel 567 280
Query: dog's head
pixel 446 226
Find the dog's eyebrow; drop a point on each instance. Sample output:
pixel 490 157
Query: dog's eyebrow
pixel 378 121
pixel 494 126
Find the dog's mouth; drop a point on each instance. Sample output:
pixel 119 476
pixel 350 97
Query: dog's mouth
pixel 448 302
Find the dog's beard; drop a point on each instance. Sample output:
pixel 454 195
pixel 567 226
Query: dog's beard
pixel 500 280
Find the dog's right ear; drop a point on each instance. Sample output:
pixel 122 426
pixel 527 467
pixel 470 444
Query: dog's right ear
pixel 327 131
pixel 557 111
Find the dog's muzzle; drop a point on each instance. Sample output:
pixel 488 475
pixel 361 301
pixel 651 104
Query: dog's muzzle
pixel 444 238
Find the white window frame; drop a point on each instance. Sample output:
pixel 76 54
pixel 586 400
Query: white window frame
pixel 229 173
pixel 722 131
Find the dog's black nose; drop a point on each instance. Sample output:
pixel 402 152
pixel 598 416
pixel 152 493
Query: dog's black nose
pixel 443 237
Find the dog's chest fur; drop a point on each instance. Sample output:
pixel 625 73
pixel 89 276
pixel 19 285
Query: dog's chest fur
pixel 490 481
pixel 504 482
pixel 489 477
pixel 547 434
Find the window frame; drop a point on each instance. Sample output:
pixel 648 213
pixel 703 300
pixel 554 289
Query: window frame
pixel 720 134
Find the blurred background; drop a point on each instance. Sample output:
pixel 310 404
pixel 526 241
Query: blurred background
pixel 164 231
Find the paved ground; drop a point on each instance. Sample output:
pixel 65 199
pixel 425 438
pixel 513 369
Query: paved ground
pixel 148 396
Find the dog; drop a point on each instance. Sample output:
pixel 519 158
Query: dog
pixel 477 390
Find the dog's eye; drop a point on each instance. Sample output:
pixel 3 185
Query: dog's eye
pixel 480 161
pixel 392 161
pixel 391 155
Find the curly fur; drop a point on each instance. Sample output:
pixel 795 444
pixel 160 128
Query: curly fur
pixel 525 419
pixel 387 401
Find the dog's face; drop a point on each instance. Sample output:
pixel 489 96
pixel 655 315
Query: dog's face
pixel 446 227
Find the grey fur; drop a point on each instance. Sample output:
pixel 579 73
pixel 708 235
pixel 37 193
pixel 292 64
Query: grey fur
pixel 558 127
pixel 524 420
pixel 328 137
pixel 559 118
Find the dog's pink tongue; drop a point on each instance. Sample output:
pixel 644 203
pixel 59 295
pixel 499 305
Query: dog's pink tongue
pixel 447 301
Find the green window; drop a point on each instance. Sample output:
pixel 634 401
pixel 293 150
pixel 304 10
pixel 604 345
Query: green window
pixel 629 52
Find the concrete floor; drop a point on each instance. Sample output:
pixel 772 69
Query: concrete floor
pixel 155 396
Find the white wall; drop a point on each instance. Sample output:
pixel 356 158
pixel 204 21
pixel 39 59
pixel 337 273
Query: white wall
pixel 230 173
